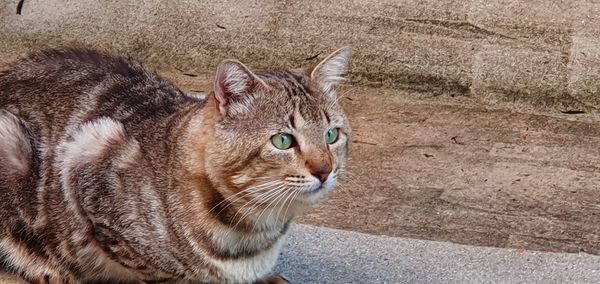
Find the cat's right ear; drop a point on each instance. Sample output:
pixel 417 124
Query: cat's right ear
pixel 233 83
pixel 331 71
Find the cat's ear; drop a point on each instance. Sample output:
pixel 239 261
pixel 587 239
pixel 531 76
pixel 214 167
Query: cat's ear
pixel 331 71
pixel 233 83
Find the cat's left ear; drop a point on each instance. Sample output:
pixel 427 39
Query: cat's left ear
pixel 233 84
pixel 331 71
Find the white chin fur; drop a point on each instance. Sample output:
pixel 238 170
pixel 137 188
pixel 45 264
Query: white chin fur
pixel 314 195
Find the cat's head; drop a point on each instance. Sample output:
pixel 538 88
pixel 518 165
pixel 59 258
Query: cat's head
pixel 282 138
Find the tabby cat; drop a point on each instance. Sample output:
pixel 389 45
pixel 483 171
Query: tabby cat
pixel 109 172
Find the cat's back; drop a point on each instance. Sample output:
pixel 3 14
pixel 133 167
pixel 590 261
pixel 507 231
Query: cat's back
pixel 56 98
pixel 51 87
pixel 52 76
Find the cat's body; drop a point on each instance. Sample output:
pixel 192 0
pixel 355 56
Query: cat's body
pixel 109 172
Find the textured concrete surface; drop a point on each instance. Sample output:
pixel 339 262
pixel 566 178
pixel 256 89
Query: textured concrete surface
pixel 542 53
pixel 462 173
pixel 321 255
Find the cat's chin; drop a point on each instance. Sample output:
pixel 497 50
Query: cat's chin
pixel 317 194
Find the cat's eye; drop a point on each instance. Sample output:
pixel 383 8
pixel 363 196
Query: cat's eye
pixel 282 141
pixel 332 135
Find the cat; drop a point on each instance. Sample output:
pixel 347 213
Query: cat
pixel 109 172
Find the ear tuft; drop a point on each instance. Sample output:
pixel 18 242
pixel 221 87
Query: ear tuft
pixel 331 71
pixel 232 82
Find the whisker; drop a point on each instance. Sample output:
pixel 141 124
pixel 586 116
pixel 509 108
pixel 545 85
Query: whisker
pixel 245 192
pixel 348 176
pixel 255 202
pixel 295 193
pixel 340 96
pixel 352 202
pixel 285 200
pixel 279 195
pixel 346 191
pixel 275 202
pixel 259 187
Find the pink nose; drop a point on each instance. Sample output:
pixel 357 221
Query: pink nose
pixel 322 173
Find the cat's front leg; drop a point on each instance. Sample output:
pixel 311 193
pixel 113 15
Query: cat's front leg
pixel 47 279
pixel 275 279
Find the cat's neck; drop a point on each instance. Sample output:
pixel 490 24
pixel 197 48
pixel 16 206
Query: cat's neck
pixel 207 207
pixel 198 138
pixel 197 143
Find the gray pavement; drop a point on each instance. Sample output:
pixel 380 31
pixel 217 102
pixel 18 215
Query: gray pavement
pixel 323 255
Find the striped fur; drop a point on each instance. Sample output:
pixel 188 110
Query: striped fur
pixel 110 173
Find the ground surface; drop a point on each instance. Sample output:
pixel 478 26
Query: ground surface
pixel 468 175
pixel 321 255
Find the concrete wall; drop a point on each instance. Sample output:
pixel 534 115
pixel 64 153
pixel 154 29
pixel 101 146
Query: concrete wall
pixel 539 51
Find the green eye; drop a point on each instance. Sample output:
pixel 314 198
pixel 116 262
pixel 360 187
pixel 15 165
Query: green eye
pixel 332 135
pixel 282 141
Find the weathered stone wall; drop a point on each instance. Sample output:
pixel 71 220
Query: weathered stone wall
pixel 540 51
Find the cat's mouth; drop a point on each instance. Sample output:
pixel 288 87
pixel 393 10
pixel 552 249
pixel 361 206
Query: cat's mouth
pixel 311 191
pixel 319 191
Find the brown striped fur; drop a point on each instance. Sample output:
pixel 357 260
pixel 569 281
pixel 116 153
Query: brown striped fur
pixel 110 173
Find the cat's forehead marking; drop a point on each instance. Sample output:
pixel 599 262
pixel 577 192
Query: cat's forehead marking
pixel 298 121
pixel 311 109
pixel 293 84
pixel 300 106
pixel 326 116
